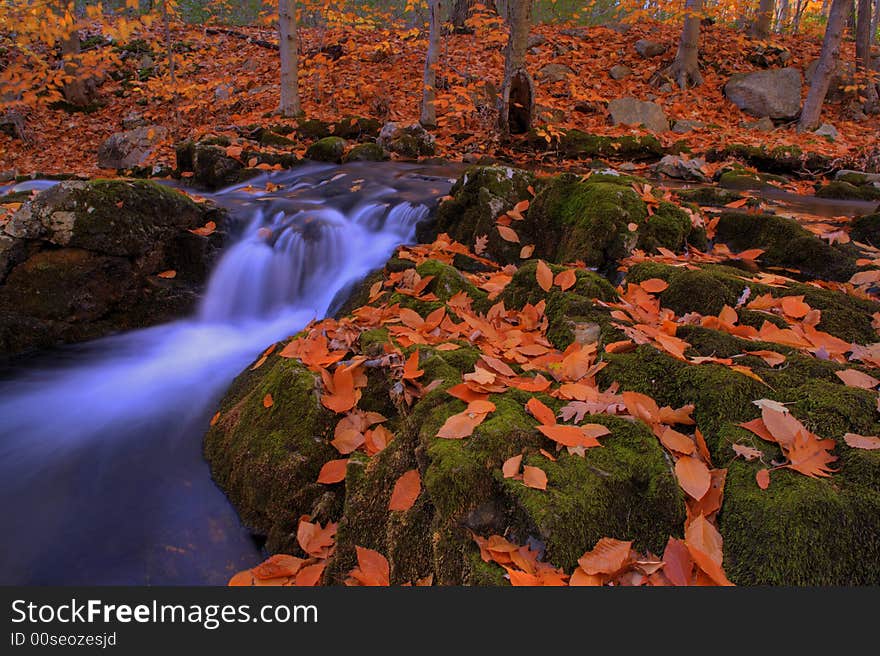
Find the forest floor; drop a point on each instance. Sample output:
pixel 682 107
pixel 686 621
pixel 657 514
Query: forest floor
pixel 225 81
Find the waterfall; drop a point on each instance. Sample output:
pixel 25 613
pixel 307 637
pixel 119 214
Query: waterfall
pixel 101 475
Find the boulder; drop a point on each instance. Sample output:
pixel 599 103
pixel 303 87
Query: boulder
pixel 82 260
pixel 679 168
pixel 619 72
pixel 648 48
pixel 366 152
pixel 131 148
pixel 826 130
pixel 775 93
pixel 328 149
pixel 409 141
pixel 555 73
pixel 632 111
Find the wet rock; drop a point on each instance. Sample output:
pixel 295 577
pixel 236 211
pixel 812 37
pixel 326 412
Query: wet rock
pixel 631 111
pixel 366 152
pixel 81 260
pixel 409 141
pixel 648 49
pixel 775 93
pixel 125 150
pixel 328 149
pixel 679 168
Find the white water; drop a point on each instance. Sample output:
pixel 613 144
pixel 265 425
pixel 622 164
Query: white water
pixel 101 479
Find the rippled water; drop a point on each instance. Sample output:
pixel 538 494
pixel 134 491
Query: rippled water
pixel 102 480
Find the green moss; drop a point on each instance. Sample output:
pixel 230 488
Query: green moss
pixel 479 197
pixel 583 145
pixel 623 489
pixel 786 244
pixel 328 149
pixel 668 227
pixel 843 190
pixel 366 152
pixel 572 219
pixel 739 179
pixel 866 229
pixel 270 138
pixel 267 459
pixel 710 196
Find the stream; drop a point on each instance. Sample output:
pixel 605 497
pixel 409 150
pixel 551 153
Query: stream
pixel 102 480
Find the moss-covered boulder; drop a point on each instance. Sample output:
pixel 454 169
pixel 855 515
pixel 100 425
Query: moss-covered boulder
pixel 213 168
pixel 82 260
pixel 866 229
pixel 786 244
pixel 576 144
pixel 843 190
pixel 478 198
pixel 267 459
pixel 328 149
pixel 783 160
pixel 366 152
pixel 707 289
pixel 409 141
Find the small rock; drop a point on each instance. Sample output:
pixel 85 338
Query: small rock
pixel 124 150
pixel 620 72
pixel 666 87
pixel 679 168
pixel 827 130
pixel 648 49
pixel 409 141
pixel 536 40
pixel 555 72
pixel 133 120
pixel 224 91
pixel 632 111
pixel 683 126
pixel 764 124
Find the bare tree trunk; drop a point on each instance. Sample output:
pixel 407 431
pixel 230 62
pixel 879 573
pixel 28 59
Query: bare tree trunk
pixel 429 111
pixel 763 20
pixel 685 68
pixel 812 110
pixel 783 12
pixel 172 74
pixel 459 13
pixel 863 56
pixel 288 49
pixel 517 102
pixel 875 21
pixel 74 90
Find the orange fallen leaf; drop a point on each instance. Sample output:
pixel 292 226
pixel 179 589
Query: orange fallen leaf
pixel 510 468
pixel 171 273
pixel 763 478
pixel 411 369
pixel 268 401
pixel 678 442
pixel 333 471
pixel 205 230
pixel 544 276
pixel 856 378
pixel 541 412
pixel 372 569
pixel 534 477
pixel 870 443
pixel 693 476
pixel 508 234
pixel 609 556
pixel 343 396
pixel 654 285
pixel 705 546
pixel 315 540
pixel 406 491
pixel 565 279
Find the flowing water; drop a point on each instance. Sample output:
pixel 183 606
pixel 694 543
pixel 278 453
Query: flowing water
pixel 102 479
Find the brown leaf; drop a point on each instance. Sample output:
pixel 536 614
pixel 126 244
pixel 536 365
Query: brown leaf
pixel 406 491
pixel 856 378
pixel 654 285
pixel 870 443
pixel 510 468
pixel 544 276
pixel 372 569
pixel 333 471
pixel 763 478
pixel 508 234
pixel 608 557
pixel 566 279
pixel 693 476
pixel 704 544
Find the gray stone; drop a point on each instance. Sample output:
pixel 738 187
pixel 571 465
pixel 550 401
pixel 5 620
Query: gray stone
pixel 826 130
pixel 869 177
pixel 775 93
pixel 632 111
pixel 409 141
pixel 124 150
pixel 648 49
pixel 555 72
pixel 683 126
pixel 679 168
pixel 761 125
pixel 620 72
pixel 133 120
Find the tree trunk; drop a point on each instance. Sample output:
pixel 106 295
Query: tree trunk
pixel 74 90
pixel 685 68
pixel 288 47
pixel 875 21
pixel 863 56
pixel 763 20
pixel 517 102
pixel 458 15
pixel 812 111
pixel 429 112
pixel 169 51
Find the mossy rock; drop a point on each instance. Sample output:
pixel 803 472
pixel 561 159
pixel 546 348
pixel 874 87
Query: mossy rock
pixel 669 227
pixel 576 144
pixel 270 138
pixel 479 197
pixel 708 289
pixel 866 229
pixel 786 244
pixel 572 314
pixel 356 128
pixel 447 282
pixel 711 196
pixel 366 152
pixel 576 220
pixel 328 149
pixel 784 160
pixel 267 460
pixel 843 190
pixel 310 129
